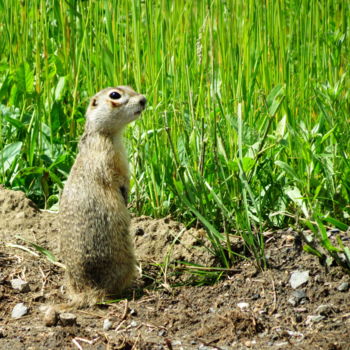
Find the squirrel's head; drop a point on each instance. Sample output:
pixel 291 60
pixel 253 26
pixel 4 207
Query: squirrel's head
pixel 113 108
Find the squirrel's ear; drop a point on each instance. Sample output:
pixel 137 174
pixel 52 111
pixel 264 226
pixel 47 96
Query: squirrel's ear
pixel 94 102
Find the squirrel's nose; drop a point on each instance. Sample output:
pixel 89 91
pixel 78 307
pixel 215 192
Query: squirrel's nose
pixel 143 101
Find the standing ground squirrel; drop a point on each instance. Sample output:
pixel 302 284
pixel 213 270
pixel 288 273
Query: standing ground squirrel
pixel 96 246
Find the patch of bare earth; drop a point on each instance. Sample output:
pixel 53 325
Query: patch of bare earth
pixel 246 310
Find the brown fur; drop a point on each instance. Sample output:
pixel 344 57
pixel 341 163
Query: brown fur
pixel 96 246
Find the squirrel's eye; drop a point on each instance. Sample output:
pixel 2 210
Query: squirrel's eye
pixel 115 95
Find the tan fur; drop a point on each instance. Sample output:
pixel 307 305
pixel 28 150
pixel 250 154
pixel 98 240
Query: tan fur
pixel 96 246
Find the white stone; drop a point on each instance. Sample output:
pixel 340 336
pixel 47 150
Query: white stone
pixel 298 278
pixel 107 324
pixel 19 310
pixel 243 305
pixel 19 284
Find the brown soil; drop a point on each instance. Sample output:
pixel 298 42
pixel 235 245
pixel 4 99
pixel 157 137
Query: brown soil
pixel 160 315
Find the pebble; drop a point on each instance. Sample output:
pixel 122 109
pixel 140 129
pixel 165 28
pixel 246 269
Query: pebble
pixel 50 317
pixel 107 324
pixel 68 319
pixel 162 333
pixel 292 301
pixel 243 305
pixel 298 278
pixel 297 297
pixel 204 347
pixel 344 287
pixel 19 284
pixel 133 323
pixel 324 310
pixel 19 310
pixel 314 319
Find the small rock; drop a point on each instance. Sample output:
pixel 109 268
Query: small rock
pixel 133 323
pixel 344 287
pixel 19 310
pixel 300 309
pixel 50 317
pixel 314 319
pixel 176 342
pixel 204 347
pixel 297 297
pixel 324 310
pixel 19 284
pixel 162 333
pixel 44 308
pixel 298 278
pixel 299 294
pixel 292 301
pixel 68 319
pixel 107 324
pixel 133 312
pixel 243 305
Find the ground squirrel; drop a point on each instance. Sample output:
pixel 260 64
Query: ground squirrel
pixel 96 246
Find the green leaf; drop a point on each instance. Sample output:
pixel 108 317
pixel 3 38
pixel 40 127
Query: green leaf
pixel 16 123
pixel 274 93
pixel 25 78
pixel 294 194
pixel 281 127
pixel 59 88
pixel 307 248
pixel 337 223
pixel 40 249
pixel 273 101
pixel 288 170
pixel 9 154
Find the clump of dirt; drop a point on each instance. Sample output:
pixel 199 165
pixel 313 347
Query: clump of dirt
pixel 247 309
pixel 159 239
pixel 15 208
pixel 239 324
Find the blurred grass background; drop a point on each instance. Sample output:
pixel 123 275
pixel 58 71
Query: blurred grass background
pixel 247 126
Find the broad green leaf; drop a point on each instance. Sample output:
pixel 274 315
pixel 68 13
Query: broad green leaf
pixel 281 127
pixel 16 123
pixel 9 154
pixel 59 88
pixel 25 78
pixel 294 194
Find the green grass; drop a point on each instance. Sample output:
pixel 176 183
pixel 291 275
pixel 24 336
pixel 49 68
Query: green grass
pixel 247 126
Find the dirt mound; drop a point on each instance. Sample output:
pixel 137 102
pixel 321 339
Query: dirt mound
pixel 160 240
pixel 248 309
pixel 15 202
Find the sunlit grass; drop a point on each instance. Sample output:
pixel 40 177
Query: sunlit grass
pixel 247 125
